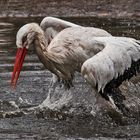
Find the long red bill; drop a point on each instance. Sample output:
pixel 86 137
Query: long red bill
pixel 21 52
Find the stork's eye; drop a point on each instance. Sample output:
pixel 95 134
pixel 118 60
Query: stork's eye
pixel 24 39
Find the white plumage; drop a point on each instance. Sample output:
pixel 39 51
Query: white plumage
pixel 117 62
pixel 56 23
pixel 52 26
pixel 117 56
pixel 106 61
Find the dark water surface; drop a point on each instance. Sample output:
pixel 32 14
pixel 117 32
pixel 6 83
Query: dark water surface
pixel 72 120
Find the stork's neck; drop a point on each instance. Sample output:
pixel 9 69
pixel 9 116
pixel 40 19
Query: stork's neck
pixel 45 57
pixel 40 42
pixel 41 45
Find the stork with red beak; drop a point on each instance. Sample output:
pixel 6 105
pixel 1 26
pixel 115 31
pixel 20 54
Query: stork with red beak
pixel 69 49
pixel 32 35
pixel 51 27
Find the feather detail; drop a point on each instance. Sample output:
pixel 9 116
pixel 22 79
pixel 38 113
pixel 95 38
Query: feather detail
pixel 116 59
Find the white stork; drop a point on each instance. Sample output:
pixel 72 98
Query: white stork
pixel 31 34
pixel 67 52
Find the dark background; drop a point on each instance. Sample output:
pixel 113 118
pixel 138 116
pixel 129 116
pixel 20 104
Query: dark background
pixel 101 8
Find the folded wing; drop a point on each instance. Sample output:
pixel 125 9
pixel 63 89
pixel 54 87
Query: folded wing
pixel 117 62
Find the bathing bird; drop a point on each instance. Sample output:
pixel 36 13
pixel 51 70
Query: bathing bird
pixel 32 35
pixel 116 58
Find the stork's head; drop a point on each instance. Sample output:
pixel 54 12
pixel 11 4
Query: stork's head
pixel 26 35
pixel 24 40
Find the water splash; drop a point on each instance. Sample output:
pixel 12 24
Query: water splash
pixel 55 101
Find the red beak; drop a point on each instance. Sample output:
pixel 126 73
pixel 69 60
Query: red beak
pixel 21 52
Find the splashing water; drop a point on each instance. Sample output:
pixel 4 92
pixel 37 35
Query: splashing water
pixel 34 110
